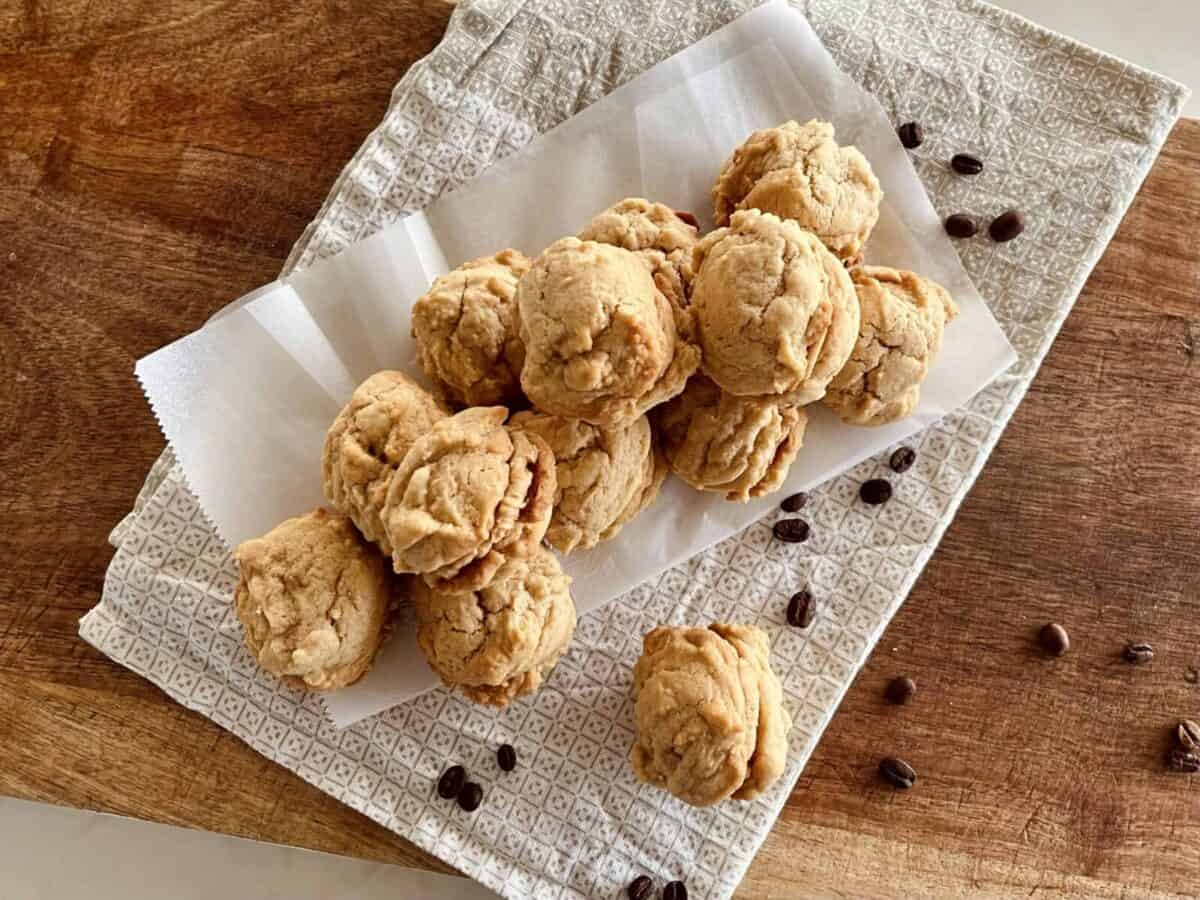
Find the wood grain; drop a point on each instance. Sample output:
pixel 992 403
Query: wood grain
pixel 160 158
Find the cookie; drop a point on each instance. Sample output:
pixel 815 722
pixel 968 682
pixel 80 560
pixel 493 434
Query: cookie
pixel 742 447
pixel 501 641
pixel 657 234
pixel 775 311
pixel 465 329
pixel 469 495
pixel 312 598
pixel 799 172
pixel 605 476
pixel 602 342
pixel 708 713
pixel 367 442
pixel 903 318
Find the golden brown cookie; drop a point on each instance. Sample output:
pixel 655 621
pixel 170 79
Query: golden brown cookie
pixel 469 495
pixel 602 342
pixel 742 447
pixel 903 318
pixel 313 597
pixel 776 313
pixel 605 476
pixel 799 172
pixel 465 328
pixel 501 641
pixel 709 713
pixel 366 443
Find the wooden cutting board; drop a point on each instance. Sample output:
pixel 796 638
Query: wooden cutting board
pixel 161 158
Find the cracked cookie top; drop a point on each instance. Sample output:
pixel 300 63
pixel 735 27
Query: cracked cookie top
pixel 366 443
pixel 775 311
pixel 469 495
pixel 501 641
pixel 465 328
pixel 605 476
pixel 709 713
pixel 903 318
pixel 312 597
pixel 799 172
pixel 742 447
pixel 602 342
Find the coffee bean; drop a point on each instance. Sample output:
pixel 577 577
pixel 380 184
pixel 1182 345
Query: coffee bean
pixel 1054 638
pixel 898 773
pixel 966 164
pixel 1192 675
pixel 902 460
pixel 506 757
pixel 1181 760
pixel 1188 735
pixel 676 890
pixel 793 531
pixel 961 226
pixel 911 135
pixel 688 218
pixel 1138 653
pixel 794 503
pixel 900 690
pixel 640 888
pixel 1006 226
pixel 876 491
pixel 451 782
pixel 801 610
pixel 470 796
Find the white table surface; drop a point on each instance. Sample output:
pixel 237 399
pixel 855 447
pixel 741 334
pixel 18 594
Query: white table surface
pixel 122 858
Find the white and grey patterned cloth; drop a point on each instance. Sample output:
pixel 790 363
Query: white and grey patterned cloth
pixel 1068 135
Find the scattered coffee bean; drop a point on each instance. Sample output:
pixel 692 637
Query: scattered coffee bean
pixel 1181 760
pixel 676 890
pixel 911 135
pixel 1054 638
pixel 966 164
pixel 902 460
pixel 1188 735
pixel 451 782
pixel 506 757
pixel 898 773
pixel 793 531
pixel 640 888
pixel 876 491
pixel 960 226
pixel 1006 226
pixel 801 610
pixel 900 690
pixel 470 796
pixel 688 218
pixel 794 503
pixel 1192 675
pixel 1138 653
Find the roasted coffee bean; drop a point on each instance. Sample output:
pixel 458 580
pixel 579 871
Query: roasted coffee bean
pixel 1182 760
pixel 470 796
pixel 793 531
pixel 688 218
pixel 902 460
pixel 911 135
pixel 506 757
pixel 1192 675
pixel 451 782
pixel 1006 226
pixel 876 491
pixel 898 773
pixel 801 610
pixel 676 890
pixel 900 690
pixel 966 164
pixel 961 226
pixel 640 888
pixel 1138 653
pixel 1054 638
pixel 1188 735
pixel 794 503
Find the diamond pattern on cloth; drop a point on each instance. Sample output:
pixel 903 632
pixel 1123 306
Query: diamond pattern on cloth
pixel 1068 134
